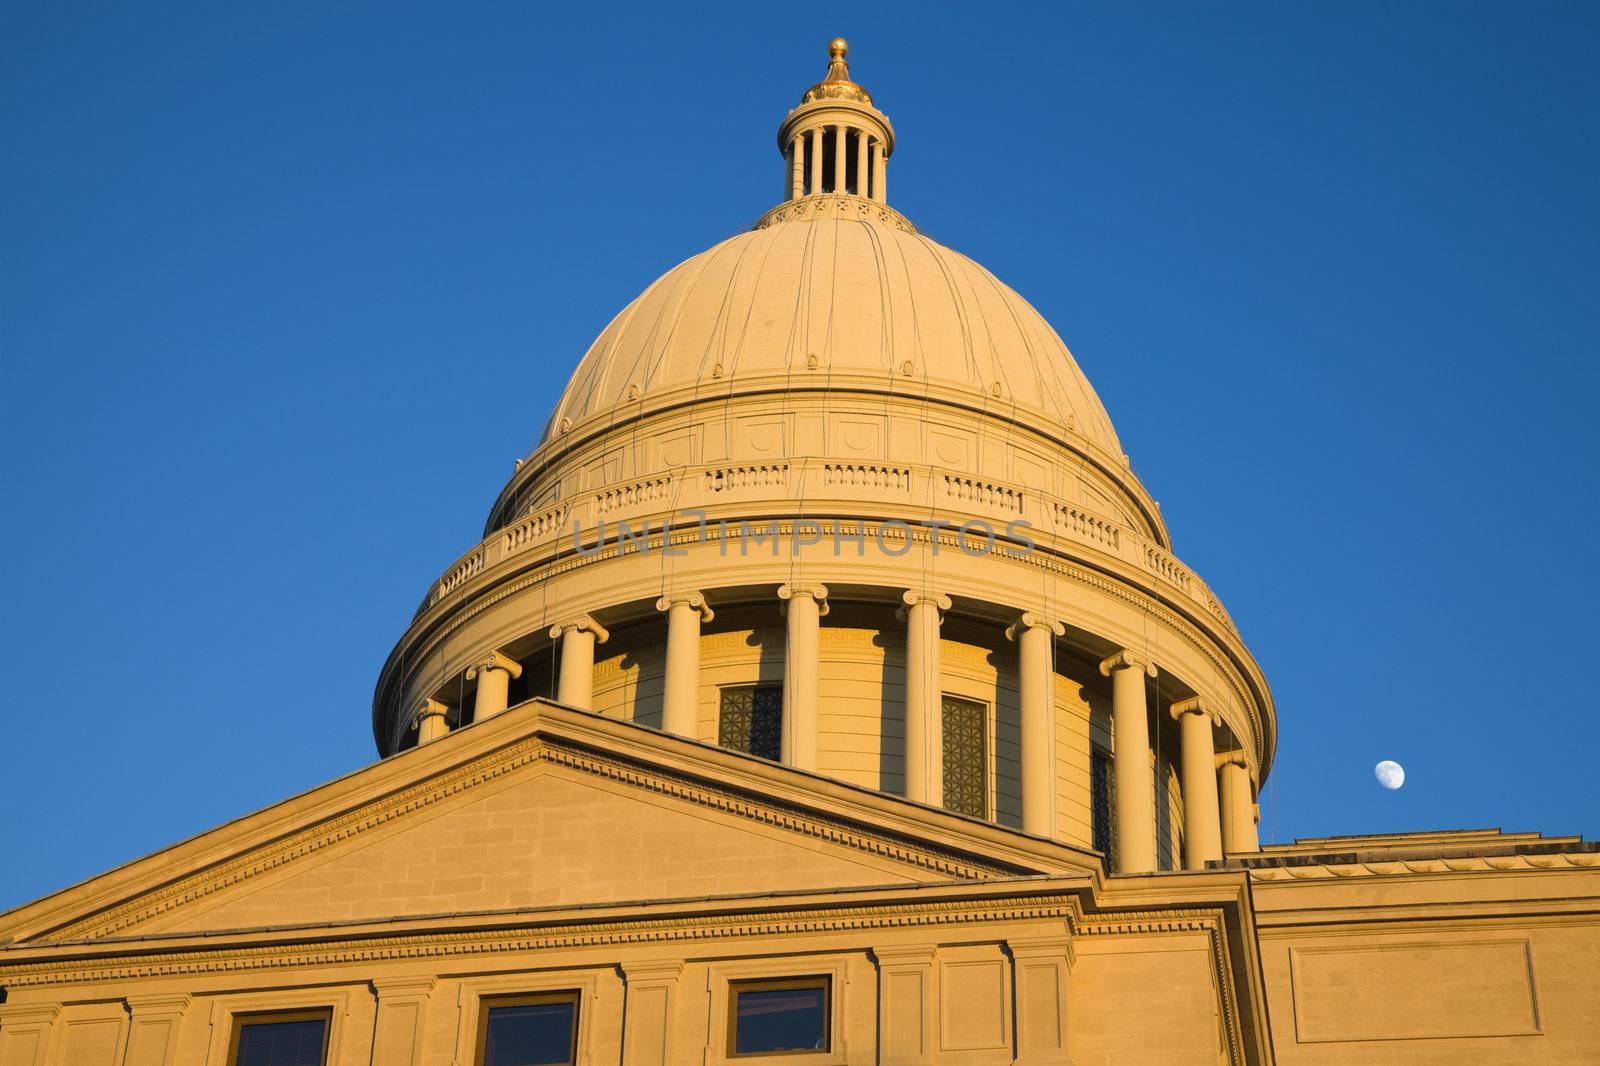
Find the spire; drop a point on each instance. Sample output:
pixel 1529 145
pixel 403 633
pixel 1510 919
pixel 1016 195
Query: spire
pixel 836 143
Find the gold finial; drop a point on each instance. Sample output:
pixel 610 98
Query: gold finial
pixel 837 85
pixel 837 69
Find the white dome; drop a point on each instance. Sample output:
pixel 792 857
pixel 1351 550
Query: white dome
pixel 856 298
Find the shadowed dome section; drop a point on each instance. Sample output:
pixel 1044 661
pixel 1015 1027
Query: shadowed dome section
pixel 853 300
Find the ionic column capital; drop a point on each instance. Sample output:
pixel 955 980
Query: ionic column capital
pixel 1034 620
pixel 429 708
pixel 494 660
pixel 1194 705
pixel 581 623
pixel 818 593
pixel 693 599
pixel 1235 757
pixel 1125 659
pixel 912 598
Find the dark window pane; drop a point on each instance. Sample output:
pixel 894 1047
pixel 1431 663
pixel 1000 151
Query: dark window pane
pixel 1166 847
pixel 1102 805
pixel 288 1043
pixel 530 1034
pixel 752 721
pixel 966 757
pixel 780 1019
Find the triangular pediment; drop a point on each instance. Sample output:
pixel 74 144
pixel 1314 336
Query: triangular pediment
pixel 541 807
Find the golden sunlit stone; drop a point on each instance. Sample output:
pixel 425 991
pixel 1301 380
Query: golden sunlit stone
pixel 827 535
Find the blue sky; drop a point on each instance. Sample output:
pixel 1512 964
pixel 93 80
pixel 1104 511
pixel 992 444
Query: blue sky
pixel 287 287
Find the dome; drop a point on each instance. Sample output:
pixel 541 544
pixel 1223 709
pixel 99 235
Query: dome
pixel 853 295
pixel 832 415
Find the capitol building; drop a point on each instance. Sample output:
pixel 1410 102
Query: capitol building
pixel 825 690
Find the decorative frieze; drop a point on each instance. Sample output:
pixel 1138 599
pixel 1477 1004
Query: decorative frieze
pixel 929 914
pixel 841 206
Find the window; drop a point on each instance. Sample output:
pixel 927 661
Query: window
pixel 752 720
pixel 1102 805
pixel 966 756
pixel 1167 849
pixel 286 1039
pixel 786 1017
pixel 539 1030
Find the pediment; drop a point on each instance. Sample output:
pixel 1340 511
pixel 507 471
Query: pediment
pixel 542 806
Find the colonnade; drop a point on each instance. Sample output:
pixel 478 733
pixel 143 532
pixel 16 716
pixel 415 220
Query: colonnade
pixel 805 156
pixel 1218 804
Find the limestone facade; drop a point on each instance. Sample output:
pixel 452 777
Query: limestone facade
pixel 827 637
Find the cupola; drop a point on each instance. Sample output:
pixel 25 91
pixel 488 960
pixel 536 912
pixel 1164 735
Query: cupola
pixel 836 143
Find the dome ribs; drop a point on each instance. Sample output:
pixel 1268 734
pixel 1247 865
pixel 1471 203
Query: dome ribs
pixel 748 283
pixel 661 351
pixel 871 302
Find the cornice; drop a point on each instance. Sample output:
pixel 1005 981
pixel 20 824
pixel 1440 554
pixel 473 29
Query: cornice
pixel 128 961
pixel 1066 907
pixel 579 934
pixel 1585 860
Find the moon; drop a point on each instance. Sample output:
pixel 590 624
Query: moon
pixel 1391 775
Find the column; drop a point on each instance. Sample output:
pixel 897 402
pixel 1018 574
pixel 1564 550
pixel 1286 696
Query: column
pixel 575 683
pixel 1238 803
pixel 1035 679
pixel 861 163
pixel 814 149
pixel 1134 781
pixel 797 162
pixel 432 720
pixel 804 606
pixel 493 673
pixel 840 136
pixel 680 700
pixel 923 612
pixel 880 175
pixel 1202 828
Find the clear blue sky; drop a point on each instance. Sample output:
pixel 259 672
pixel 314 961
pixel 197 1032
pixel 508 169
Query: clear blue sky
pixel 286 288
